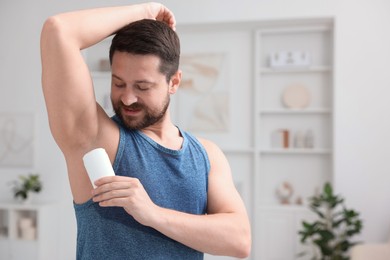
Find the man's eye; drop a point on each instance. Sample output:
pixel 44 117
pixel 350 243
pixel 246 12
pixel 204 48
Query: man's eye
pixel 142 88
pixel 120 85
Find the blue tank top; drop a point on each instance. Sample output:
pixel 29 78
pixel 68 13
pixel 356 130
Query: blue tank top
pixel 174 179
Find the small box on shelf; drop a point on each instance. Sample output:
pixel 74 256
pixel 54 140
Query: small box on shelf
pixel 289 59
pixel 285 138
pixel 280 138
pixel 26 224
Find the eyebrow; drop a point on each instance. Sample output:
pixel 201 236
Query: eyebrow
pixel 137 81
pixel 117 77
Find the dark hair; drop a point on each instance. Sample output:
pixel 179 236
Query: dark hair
pixel 150 37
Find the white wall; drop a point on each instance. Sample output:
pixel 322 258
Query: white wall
pixel 362 87
pixel 362 112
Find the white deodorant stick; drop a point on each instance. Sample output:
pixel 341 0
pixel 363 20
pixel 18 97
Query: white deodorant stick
pixel 98 164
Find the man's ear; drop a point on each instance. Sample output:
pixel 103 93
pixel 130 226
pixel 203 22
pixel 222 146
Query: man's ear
pixel 175 82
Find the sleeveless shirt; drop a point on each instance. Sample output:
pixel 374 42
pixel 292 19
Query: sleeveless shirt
pixel 174 179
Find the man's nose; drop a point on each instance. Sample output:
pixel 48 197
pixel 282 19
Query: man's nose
pixel 128 97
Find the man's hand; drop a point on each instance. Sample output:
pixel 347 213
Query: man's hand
pixel 160 13
pixel 126 192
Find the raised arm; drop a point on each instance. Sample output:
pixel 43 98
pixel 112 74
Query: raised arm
pixel 77 122
pixel 75 118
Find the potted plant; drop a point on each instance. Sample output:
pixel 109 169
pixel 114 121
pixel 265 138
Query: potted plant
pixel 25 185
pixel 330 234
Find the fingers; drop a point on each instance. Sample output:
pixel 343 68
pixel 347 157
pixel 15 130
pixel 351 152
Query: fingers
pixel 114 187
pixel 111 191
pixel 115 198
pixel 113 183
pixel 125 192
pixel 167 16
pixel 115 202
pixel 110 179
pixel 162 13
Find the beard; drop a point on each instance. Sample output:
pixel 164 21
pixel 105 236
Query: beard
pixel 150 117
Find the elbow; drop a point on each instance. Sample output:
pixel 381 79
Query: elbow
pixel 50 27
pixel 53 30
pixel 244 246
pixel 245 252
pixel 48 31
pixel 239 244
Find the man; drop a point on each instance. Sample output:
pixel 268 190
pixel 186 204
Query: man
pixel 172 196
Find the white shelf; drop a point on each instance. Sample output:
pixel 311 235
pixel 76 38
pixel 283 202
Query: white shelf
pixel 13 205
pixel 314 69
pixel 237 150
pixel 318 151
pixel 283 208
pixel 281 111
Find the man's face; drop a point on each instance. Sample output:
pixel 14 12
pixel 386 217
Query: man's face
pixel 139 92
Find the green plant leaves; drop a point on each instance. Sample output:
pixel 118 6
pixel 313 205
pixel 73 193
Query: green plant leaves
pixel 26 184
pixel 334 227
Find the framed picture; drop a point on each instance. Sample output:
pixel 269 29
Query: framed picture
pixel 16 139
pixel 203 98
pixel 214 96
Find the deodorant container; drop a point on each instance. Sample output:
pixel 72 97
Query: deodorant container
pixel 98 165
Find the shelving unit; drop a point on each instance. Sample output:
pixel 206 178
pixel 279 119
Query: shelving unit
pixel 27 231
pixel 314 38
pixel 304 168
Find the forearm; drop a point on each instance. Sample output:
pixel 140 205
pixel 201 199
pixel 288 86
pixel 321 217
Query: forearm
pixel 88 27
pixel 218 234
pixel 225 231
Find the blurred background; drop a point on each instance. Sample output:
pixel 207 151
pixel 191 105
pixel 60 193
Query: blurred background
pixel 227 47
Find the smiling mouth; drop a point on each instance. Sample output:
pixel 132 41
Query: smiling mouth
pixel 131 111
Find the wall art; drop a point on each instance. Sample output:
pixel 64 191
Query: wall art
pixel 203 97
pixel 16 139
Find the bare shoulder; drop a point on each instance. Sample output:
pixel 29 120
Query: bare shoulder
pixel 218 161
pixel 211 148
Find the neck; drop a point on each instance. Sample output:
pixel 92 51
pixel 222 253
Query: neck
pixel 165 133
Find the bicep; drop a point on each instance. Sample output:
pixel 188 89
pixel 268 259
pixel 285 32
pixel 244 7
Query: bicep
pixel 68 89
pixel 223 196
